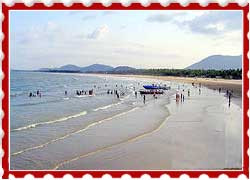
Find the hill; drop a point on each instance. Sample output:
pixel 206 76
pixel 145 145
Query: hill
pixel 218 62
pixel 69 67
pixel 97 68
pixel 123 69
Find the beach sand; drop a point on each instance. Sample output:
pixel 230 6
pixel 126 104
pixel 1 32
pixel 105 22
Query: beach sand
pixel 207 138
pixel 212 83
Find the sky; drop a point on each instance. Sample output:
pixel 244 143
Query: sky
pixel 141 39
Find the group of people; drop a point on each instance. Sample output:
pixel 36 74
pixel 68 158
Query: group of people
pixel 229 94
pixel 35 94
pixel 178 97
pixel 82 92
pixel 181 96
pixel 116 93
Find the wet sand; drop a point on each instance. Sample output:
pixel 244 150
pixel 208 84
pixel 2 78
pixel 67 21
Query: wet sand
pixel 200 133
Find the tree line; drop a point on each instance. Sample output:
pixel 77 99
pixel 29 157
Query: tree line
pixel 226 74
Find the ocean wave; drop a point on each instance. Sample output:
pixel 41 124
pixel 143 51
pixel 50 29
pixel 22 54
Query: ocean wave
pixel 81 96
pixel 74 132
pixel 108 106
pixel 84 96
pixel 111 105
pixel 15 95
pixel 126 97
pixel 43 102
pixel 50 122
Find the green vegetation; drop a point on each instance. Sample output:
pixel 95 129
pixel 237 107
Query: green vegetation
pixel 226 74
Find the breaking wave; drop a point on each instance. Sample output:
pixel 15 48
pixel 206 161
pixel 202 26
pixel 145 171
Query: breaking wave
pixel 50 122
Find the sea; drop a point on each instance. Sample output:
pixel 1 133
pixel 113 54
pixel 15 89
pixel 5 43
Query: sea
pixel 42 126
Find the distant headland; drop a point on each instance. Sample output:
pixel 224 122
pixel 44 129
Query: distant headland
pixel 216 66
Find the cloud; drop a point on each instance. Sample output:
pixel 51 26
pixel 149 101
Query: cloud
pixel 109 12
pixel 48 31
pixel 86 18
pixel 159 18
pixel 123 26
pixel 208 23
pixel 99 32
pixel 214 22
pixel 75 12
pixel 162 18
pixel 51 27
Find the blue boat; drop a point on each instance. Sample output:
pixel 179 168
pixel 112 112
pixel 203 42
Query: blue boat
pixel 156 87
pixel 151 87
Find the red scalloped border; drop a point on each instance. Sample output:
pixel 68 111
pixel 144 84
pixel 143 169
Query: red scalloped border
pixel 119 6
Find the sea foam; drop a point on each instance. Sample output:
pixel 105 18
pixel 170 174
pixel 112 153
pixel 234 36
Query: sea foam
pixel 50 122
pixel 74 132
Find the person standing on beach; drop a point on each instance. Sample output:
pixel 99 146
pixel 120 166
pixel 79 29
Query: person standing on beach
pixel 199 91
pixel 229 98
pixel 177 97
pixel 144 99
pixel 181 97
pixel 188 92
pixel 135 94
pixel 219 90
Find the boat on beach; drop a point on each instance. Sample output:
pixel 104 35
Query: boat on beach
pixel 151 91
pixel 151 87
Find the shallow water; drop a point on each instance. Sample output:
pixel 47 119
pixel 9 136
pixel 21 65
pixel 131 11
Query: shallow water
pixel 41 124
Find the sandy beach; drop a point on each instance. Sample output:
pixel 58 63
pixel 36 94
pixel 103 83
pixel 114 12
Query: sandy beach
pixel 212 83
pixel 200 133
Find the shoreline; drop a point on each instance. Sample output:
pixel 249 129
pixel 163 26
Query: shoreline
pixel 173 138
pixel 224 84
pixel 231 84
pixel 211 83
